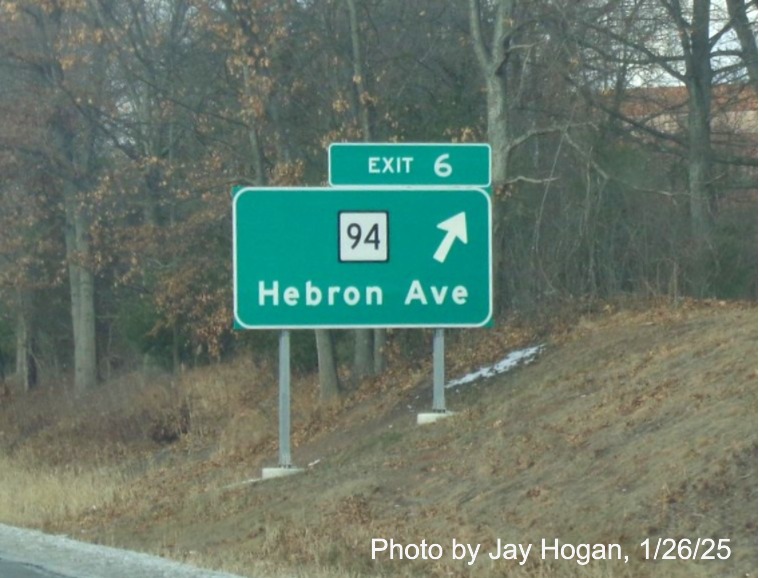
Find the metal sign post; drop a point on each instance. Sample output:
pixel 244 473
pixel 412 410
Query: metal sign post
pixel 401 238
pixel 439 361
pixel 417 165
pixel 284 417
pixel 439 399
pixel 285 466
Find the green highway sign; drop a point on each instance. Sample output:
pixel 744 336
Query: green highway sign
pixel 363 257
pixel 407 164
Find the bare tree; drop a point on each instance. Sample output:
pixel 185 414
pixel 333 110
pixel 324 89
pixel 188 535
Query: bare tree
pixel 656 43
pixel 739 20
pixel 58 50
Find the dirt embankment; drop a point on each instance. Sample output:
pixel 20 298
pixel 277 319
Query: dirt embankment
pixel 629 430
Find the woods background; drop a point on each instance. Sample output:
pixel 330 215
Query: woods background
pixel 624 137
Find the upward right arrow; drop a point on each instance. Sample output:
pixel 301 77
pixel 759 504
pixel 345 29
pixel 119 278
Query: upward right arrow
pixel 456 228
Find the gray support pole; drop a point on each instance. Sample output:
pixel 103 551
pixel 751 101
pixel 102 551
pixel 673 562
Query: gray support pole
pixel 285 399
pixel 439 358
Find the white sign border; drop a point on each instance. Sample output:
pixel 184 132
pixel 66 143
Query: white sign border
pixel 240 325
pixel 411 144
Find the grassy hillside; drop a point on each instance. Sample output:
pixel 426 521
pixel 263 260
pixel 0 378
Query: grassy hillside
pixel 631 425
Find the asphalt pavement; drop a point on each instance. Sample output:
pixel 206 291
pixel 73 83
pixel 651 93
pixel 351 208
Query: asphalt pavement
pixel 32 554
pixel 9 569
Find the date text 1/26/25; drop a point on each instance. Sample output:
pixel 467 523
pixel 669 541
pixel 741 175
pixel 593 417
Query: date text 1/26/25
pixel 686 549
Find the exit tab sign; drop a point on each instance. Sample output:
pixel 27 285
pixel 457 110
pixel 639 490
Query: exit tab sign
pixel 409 164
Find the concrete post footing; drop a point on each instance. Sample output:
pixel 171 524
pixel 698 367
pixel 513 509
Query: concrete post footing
pixel 432 417
pixel 279 472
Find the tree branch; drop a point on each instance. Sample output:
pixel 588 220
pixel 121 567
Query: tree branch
pixel 476 32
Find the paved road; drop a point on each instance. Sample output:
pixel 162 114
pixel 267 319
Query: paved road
pixel 10 569
pixel 31 554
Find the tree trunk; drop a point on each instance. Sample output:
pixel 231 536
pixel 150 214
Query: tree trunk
pixel 700 155
pixel 498 126
pixel 26 368
pixel 257 154
pixel 699 86
pixel 363 356
pixel 493 65
pixel 498 137
pixel 329 384
pixel 378 343
pixel 366 356
pixel 360 90
pixel 737 11
pixel 82 286
pixel 176 359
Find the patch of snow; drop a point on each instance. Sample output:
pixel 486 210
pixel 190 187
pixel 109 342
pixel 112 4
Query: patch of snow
pixel 63 556
pixel 515 358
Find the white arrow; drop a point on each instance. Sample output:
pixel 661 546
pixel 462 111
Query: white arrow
pixel 456 228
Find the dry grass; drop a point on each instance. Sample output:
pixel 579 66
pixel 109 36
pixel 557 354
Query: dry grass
pixel 32 495
pixel 633 424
